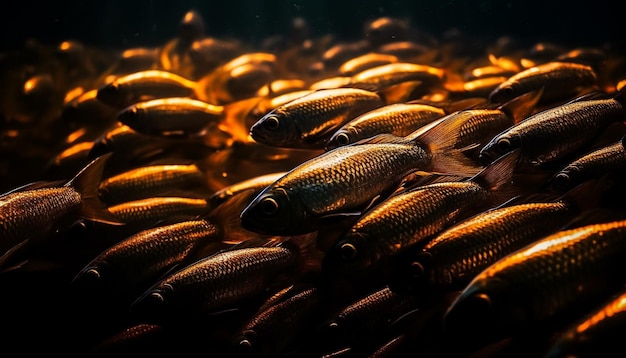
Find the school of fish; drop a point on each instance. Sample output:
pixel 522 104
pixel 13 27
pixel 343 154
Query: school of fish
pixel 401 194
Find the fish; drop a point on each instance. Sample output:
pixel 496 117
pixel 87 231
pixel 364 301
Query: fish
pixel 610 158
pixel 152 180
pixel 377 78
pixel 346 180
pixel 559 80
pixel 368 316
pixel 543 283
pixel 240 78
pixel 151 210
pixel 554 133
pixel 308 122
pixel 270 331
pixel 455 256
pixel 138 260
pixel 366 61
pixel 127 90
pixel 400 119
pixel 173 116
pixel 597 332
pixel 253 185
pixel 224 280
pixel 411 217
pixel 31 217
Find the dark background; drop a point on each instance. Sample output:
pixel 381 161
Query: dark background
pixel 124 24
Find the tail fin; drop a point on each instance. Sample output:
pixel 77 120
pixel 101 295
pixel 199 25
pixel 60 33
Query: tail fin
pixel 519 108
pixel 439 138
pixel 87 183
pixel 498 177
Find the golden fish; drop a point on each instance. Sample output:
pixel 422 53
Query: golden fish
pixel 308 122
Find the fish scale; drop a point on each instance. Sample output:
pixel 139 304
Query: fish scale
pixel 557 274
pixel 369 169
pixel 216 281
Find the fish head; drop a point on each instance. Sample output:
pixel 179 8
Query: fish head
pixel 566 178
pixel 412 276
pixel 277 211
pixel 498 146
pixel 487 305
pixel 351 254
pixel 246 344
pixel 275 128
pixel 112 94
pixel 505 92
pixel 132 117
pixel 154 302
pixel 97 275
pixel 341 138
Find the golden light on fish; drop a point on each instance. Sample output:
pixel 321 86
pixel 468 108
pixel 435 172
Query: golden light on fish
pixel 616 306
pixel 75 93
pixel 543 247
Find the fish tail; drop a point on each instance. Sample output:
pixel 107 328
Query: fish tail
pixel 620 96
pixel 519 108
pixel 87 183
pixel 309 255
pixel 440 140
pixel 498 176
pixel 226 217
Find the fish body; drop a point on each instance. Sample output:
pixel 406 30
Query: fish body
pixel 151 180
pixel 171 116
pixel 145 255
pixel 30 217
pixel 150 210
pixel 348 178
pixel 272 329
pixel 554 133
pixel 215 282
pixel 399 119
pixel 127 90
pixel 364 62
pixel 607 159
pixel 555 276
pixel 308 121
pixel 558 79
pixel 411 217
pixel 384 76
pixel 597 333
pixel 455 256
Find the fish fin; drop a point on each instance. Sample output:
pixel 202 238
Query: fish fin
pixel 87 183
pixel 309 256
pixel 594 216
pixel 587 195
pixel 226 217
pixel 42 184
pixel 440 139
pixel 382 138
pixel 367 86
pixel 498 176
pixel 463 104
pixel 8 255
pixel 520 107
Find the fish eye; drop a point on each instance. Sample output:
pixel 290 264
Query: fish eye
pixel 272 123
pixel 417 270
pixel 504 144
pixel 342 138
pixel 348 251
pixel 562 180
pixel 268 206
pixel 508 90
